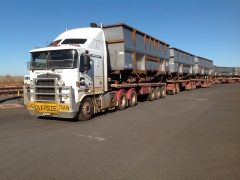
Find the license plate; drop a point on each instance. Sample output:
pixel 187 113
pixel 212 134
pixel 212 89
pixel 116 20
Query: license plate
pixel 46 108
pixel 30 105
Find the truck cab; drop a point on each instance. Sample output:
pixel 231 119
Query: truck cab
pixel 65 72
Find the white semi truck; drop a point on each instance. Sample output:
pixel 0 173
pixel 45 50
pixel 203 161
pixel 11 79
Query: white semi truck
pixel 89 70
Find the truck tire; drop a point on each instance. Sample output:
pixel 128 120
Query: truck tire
pixel 190 88
pixel 177 89
pixel 86 110
pixel 163 92
pixel 172 92
pixel 122 102
pixel 133 99
pixel 151 95
pixel 157 93
pixel 194 87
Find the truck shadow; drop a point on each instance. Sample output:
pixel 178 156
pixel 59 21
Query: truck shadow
pixel 11 98
pixel 48 118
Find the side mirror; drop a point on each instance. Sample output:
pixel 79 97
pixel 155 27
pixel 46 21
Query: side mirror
pixel 84 63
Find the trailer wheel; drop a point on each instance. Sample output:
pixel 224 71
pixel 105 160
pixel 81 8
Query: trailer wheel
pixel 122 101
pixel 177 90
pixel 86 110
pixel 151 95
pixel 173 92
pixel 157 93
pixel 190 87
pixel 133 99
pixel 163 93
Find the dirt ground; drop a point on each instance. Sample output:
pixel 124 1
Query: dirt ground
pixel 11 81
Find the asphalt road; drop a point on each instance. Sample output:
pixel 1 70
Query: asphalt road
pixel 192 135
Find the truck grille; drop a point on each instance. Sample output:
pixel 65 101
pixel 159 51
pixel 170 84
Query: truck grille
pixel 43 92
pixel 45 82
pixel 46 97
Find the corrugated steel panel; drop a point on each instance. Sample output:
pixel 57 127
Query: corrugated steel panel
pixel 225 71
pixel 181 61
pixel 203 66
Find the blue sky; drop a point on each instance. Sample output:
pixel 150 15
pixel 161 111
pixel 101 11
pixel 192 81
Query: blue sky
pixel 206 28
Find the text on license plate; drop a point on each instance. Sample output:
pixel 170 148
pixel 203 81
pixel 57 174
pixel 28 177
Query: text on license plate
pixel 52 108
pixel 46 108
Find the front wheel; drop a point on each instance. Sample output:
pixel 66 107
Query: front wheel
pixel 86 110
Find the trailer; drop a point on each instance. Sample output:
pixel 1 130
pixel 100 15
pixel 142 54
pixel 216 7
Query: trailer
pixel 226 74
pixel 187 71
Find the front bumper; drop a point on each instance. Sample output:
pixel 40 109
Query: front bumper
pixel 39 94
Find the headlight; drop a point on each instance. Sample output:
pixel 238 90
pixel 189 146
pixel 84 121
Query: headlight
pixel 66 98
pixel 60 83
pixel 82 81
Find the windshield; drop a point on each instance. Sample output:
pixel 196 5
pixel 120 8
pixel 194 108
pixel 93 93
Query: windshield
pixel 60 59
pixel 26 78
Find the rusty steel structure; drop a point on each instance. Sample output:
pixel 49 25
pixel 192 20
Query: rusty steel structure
pixel 11 90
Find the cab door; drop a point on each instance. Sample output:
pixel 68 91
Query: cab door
pixel 98 74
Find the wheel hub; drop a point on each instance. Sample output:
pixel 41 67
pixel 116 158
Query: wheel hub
pixel 86 108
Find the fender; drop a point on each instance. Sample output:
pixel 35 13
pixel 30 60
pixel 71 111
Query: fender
pixel 129 92
pixel 82 97
pixel 170 87
pixel 118 93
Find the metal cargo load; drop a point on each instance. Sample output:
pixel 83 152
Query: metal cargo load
pixel 215 70
pixel 236 71
pixel 131 49
pixel 181 62
pixel 225 71
pixel 203 66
